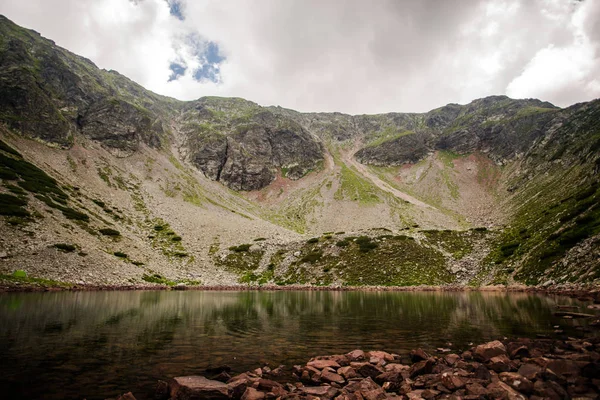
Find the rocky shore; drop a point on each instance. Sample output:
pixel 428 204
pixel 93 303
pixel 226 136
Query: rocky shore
pixel 516 369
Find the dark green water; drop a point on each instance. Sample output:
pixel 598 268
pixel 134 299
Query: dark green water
pixel 99 344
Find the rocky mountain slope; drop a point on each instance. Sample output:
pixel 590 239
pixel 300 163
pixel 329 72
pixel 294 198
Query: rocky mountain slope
pixel 104 182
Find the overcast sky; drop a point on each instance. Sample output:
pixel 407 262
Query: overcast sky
pixel 353 56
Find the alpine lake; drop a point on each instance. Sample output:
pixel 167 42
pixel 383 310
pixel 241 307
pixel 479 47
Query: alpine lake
pixel 94 345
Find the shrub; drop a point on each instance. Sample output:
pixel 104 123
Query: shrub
pixel 508 250
pixel 365 244
pixel 176 238
pixel 241 248
pixel 68 248
pixel 312 257
pixel 480 229
pixel 137 263
pixel 15 189
pixel 261 239
pixel 120 254
pixel 313 240
pixel 159 228
pixel 99 203
pixel 342 243
pixel 109 232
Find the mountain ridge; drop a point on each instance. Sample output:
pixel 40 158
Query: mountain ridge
pixel 221 190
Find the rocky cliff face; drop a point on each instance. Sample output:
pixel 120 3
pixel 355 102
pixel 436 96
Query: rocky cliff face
pixel 245 146
pixel 52 94
pixel 524 171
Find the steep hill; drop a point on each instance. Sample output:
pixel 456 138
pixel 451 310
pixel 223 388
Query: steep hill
pixel 104 182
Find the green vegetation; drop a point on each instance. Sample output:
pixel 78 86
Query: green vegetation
pixel 158 279
pixel 67 248
pixel 312 257
pixel 354 187
pixel 26 280
pixel 120 254
pixel 13 206
pixel 312 240
pixel 19 274
pixel 109 232
pixel 167 240
pixel 386 135
pixel 241 248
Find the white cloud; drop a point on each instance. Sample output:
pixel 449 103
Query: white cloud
pixel 352 56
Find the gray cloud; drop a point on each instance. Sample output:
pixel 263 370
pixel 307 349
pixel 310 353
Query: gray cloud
pixel 350 56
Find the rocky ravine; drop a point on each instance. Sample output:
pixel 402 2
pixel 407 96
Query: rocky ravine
pixel 104 182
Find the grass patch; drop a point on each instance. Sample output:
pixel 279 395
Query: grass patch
pixel 312 257
pixel 158 279
pixel 241 248
pixel 109 232
pixel 65 247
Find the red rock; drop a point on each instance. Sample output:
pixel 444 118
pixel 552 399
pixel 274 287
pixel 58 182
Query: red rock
pixel 393 377
pixel 519 352
pixel 415 395
pixel 484 352
pixel 396 367
pixel 197 387
pixel 252 394
pixel 382 355
pixel 499 363
pixel 476 389
pixel 517 382
pixel 324 392
pixel 348 372
pixel 320 364
pixel 367 369
pixel 420 368
pixel 500 390
pixel 451 359
pixel 451 381
pixel 356 355
pixel 330 377
pixel 549 390
pixel 266 385
pixel 530 371
pixel 418 355
pixel 482 373
pixel 126 396
pixel 564 367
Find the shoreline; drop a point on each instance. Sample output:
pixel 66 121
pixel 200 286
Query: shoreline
pixel 514 369
pixel 590 291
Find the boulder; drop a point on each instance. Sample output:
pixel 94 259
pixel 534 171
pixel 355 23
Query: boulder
pixel 252 394
pixel 126 396
pixel 331 377
pixel 517 382
pixel 348 372
pixel 499 363
pixel 418 355
pixel 451 381
pixel 530 371
pixel 323 392
pixel 484 352
pixel 367 369
pixel 420 368
pixel 356 355
pixel 320 364
pixel 197 387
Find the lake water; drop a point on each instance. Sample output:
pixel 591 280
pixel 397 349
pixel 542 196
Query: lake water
pixel 98 344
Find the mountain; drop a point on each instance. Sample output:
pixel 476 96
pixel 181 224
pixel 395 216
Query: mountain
pixel 105 182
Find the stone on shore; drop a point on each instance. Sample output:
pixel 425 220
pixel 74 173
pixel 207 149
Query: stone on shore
pixel 197 387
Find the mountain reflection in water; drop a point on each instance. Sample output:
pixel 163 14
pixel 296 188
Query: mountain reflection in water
pixel 100 344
